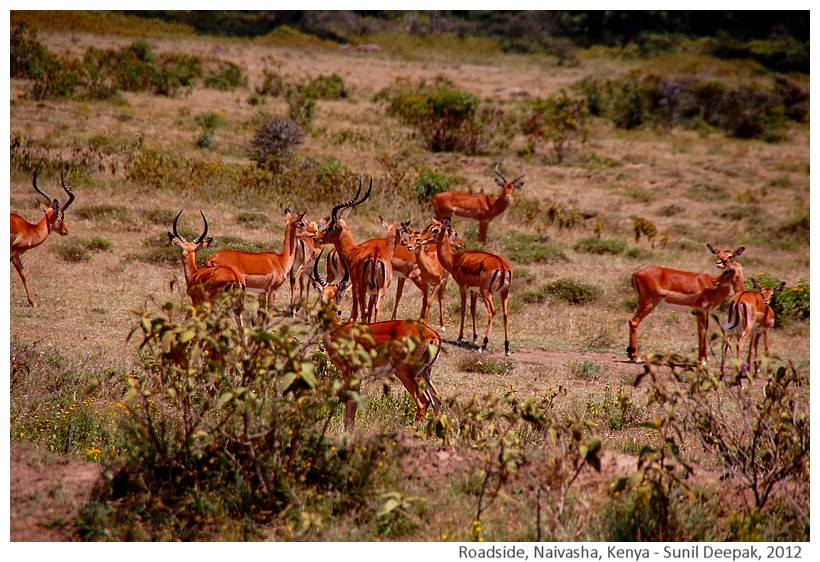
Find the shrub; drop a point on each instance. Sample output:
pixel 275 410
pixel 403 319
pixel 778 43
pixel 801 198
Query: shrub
pixel 600 246
pixel 274 139
pixel 73 251
pixel 30 58
pixel 568 290
pixel 330 87
pixel 429 183
pixel 558 119
pixel 226 77
pixel 301 103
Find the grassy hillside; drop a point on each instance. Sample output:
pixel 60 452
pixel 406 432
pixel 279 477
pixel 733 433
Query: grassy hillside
pixel 136 155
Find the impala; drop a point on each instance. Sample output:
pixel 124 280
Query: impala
pixel 25 235
pixel 264 272
pixel 479 272
pixel 306 253
pixel 206 284
pixel 370 267
pixel 482 208
pixel 685 290
pixel 406 349
pixel 433 275
pixel 751 315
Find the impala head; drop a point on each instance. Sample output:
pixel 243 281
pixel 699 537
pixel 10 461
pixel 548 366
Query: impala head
pixel 725 257
pixel 331 292
pixel 54 211
pixel 295 219
pixel 335 225
pixel 429 235
pixel 194 245
pixel 767 293
pixel 515 183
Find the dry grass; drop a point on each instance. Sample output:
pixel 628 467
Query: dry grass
pixel 86 309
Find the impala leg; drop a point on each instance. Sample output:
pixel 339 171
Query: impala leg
pixel 487 297
pixel 18 265
pixel 405 373
pixel 473 299
pixel 632 350
pixel 505 293
pixel 399 289
pixel 482 231
pixel 463 291
pixel 703 328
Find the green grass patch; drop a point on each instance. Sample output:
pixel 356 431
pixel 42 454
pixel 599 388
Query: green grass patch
pixel 486 365
pixel 534 248
pixel 600 246
pixel 567 290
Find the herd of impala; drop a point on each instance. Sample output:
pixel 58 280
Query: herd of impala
pixel 428 258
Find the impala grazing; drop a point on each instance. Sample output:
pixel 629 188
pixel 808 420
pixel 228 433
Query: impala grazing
pixel 751 316
pixel 684 290
pixel 25 235
pixel 479 272
pixel 264 272
pixel 206 284
pixel 482 208
pixel 406 349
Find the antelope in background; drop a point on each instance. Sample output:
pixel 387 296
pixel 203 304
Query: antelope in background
pixel 687 291
pixel 482 208
pixel 26 235
pixel 751 316
pixel 387 344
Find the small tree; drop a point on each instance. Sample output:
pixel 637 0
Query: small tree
pixel 274 140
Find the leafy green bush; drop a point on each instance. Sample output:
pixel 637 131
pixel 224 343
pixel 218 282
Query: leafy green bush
pixel 329 87
pixel 226 76
pixel 233 427
pixel 445 116
pixel 568 290
pixel 559 120
pixel 429 183
pixel 301 103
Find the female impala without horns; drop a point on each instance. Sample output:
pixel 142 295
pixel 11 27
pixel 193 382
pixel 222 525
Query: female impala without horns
pixel 26 235
pixel 684 290
pixel 479 272
pixel 387 343
pixel 751 316
pixel 482 208
pixel 264 272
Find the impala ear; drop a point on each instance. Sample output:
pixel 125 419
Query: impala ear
pixel 499 182
pixel 738 251
pixel 204 244
pixel 780 287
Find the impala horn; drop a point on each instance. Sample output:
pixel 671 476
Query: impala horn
pixel 65 187
pixel 202 236
pixel 51 199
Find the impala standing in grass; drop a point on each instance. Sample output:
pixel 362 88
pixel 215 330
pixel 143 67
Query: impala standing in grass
pixel 699 293
pixel 751 316
pixel 482 208
pixel 480 273
pixel 26 235
pixel 265 272
pixel 406 349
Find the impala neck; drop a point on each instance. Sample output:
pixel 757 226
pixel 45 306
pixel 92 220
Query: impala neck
pixel 345 243
pixel 189 266
pixel 500 204
pixel 445 251
pixel 37 233
pixel 425 262
pixel 289 245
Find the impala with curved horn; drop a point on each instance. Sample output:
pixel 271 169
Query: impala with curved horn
pixel 406 349
pixel 26 235
pixel 684 290
pixel 482 208
pixel 206 283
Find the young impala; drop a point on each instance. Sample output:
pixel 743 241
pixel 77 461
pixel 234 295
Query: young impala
pixel 479 272
pixel 482 208
pixel 206 284
pixel 406 349
pixel 751 316
pixel 306 253
pixel 684 290
pixel 264 272
pixel 26 235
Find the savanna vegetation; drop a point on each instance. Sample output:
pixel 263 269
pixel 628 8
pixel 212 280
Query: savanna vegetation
pixel 640 145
